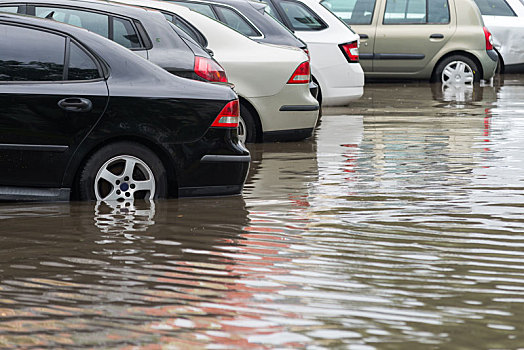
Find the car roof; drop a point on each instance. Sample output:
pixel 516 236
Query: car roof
pixel 101 5
pixel 272 31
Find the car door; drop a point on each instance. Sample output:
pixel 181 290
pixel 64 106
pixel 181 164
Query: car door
pixel 52 93
pixel 410 34
pixel 362 16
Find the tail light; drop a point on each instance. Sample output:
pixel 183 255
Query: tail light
pixel 489 39
pixel 228 117
pixel 350 50
pixel 301 74
pixel 209 69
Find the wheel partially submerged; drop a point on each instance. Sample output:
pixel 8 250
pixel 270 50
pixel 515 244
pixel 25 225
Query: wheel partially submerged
pixel 457 70
pixel 123 171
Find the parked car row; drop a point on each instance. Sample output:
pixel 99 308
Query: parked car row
pixel 157 99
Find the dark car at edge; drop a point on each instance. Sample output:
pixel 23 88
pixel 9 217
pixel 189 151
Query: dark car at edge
pixel 84 118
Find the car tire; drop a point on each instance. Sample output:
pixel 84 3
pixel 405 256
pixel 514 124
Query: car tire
pixel 457 69
pixel 122 171
pixel 247 129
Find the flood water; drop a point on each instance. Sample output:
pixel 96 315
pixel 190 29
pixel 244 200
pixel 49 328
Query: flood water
pixel 400 225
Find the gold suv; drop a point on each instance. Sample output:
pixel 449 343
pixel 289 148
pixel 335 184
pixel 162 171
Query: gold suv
pixel 441 40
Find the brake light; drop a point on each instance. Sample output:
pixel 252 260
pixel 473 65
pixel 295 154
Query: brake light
pixel 210 70
pixel 301 74
pixel 228 117
pixel 350 50
pixel 489 39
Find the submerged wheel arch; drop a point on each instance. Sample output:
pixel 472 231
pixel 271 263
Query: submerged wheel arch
pixel 172 185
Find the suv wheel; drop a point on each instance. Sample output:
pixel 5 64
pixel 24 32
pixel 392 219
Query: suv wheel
pixel 457 70
pixel 123 171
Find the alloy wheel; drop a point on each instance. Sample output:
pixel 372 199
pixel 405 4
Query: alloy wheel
pixel 124 177
pixel 242 130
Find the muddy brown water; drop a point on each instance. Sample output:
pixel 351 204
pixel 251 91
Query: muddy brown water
pixel 400 225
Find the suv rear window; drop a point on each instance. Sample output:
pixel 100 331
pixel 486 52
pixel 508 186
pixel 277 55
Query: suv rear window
pixel 495 8
pixel 352 11
pixel 416 12
pixel 301 17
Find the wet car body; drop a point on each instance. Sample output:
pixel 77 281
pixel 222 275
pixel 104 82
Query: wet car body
pixel 420 42
pixel 505 20
pixel 274 105
pixel 251 19
pixel 52 126
pixel 144 32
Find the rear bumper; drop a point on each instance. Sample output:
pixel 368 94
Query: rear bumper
pixel 217 165
pixel 340 83
pixel 293 108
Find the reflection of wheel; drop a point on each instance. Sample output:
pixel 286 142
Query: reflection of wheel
pixel 457 69
pixel 122 171
pixel 247 129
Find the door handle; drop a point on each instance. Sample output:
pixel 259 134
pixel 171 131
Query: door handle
pixel 436 36
pixel 363 36
pixel 75 104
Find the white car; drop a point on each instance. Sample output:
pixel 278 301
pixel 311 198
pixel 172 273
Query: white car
pixel 271 81
pixel 332 45
pixel 505 20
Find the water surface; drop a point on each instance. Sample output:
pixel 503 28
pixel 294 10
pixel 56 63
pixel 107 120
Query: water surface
pixel 398 226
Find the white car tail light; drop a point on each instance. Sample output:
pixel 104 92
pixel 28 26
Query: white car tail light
pixel 301 74
pixel 350 50
pixel 209 70
pixel 228 117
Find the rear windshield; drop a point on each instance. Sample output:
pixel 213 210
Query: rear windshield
pixel 495 8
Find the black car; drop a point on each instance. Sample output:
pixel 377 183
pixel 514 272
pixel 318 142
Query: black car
pixel 85 118
pixel 143 31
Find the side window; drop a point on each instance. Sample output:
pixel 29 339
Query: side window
pixel 30 55
pixel 416 11
pixel 188 28
pixel 9 9
pixel 495 8
pixel 202 8
pixel 301 17
pixel 81 65
pixel 95 22
pixel 352 11
pixel 405 11
pixel 124 33
pixel 235 21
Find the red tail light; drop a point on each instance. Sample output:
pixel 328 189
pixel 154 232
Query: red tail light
pixel 301 74
pixel 209 70
pixel 228 117
pixel 350 50
pixel 489 39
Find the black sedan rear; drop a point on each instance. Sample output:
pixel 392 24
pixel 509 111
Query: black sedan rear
pixel 84 118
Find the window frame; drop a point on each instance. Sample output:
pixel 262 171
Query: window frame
pixel 348 23
pixel 202 40
pixel 103 70
pixel 259 35
pixel 416 23
pixel 288 22
pixel 145 42
pixel 508 6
